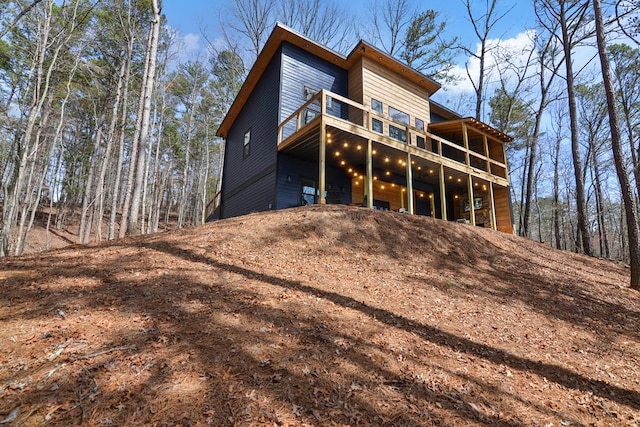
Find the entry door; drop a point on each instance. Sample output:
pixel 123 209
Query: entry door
pixel 308 192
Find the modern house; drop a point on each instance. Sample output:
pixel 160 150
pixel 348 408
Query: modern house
pixel 312 126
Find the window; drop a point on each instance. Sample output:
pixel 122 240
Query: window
pixel 398 116
pixel 376 125
pixel 420 142
pixel 397 133
pixel 309 92
pixel 419 124
pixel 246 149
pixel 376 106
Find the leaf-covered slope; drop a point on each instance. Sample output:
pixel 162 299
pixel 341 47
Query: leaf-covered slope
pixel 319 316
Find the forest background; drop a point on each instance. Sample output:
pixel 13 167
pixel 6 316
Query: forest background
pixel 108 113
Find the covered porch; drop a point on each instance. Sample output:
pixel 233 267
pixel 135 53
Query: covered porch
pixel 454 170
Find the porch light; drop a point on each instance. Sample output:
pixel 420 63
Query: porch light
pixel 373 152
pixel 413 162
pixel 459 179
pixel 337 153
pixel 393 185
pixel 450 177
pixel 431 196
pixel 430 170
pixel 375 178
pixel 350 170
pixel 419 168
pixel 355 174
pixel 344 163
pixel 382 187
pixel 484 187
pixel 359 147
pixel 475 184
pixel 403 190
pixel 386 160
pixel 346 145
pixel 387 173
pixel 421 194
pixel 455 196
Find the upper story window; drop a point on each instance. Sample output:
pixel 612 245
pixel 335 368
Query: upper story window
pixel 309 92
pixel 398 133
pixel 398 116
pixel 377 126
pixel 419 124
pixel 246 148
pixel 376 106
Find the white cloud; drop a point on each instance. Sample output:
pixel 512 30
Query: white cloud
pixel 191 43
pixel 516 48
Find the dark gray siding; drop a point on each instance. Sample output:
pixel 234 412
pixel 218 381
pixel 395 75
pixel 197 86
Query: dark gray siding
pixel 249 183
pixel 338 183
pixel 300 69
pixel 435 118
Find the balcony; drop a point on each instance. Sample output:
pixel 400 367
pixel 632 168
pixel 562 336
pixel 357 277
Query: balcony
pixel 467 146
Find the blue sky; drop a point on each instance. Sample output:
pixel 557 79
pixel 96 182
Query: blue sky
pixel 191 17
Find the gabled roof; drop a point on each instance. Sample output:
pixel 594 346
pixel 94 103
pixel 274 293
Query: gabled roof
pixel 281 33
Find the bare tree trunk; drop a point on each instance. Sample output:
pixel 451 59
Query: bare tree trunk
pixel 88 200
pixel 482 27
pixel 575 142
pixel 602 226
pixel 143 134
pixel 106 159
pixel 618 154
pixel 13 191
pixel 545 87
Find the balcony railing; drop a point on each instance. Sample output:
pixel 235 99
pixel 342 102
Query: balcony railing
pixel 360 117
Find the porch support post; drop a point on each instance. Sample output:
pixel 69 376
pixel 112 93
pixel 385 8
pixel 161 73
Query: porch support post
pixel 465 139
pixel 410 201
pixel 432 205
pixel 443 194
pixel 486 152
pixel 472 211
pixel 322 163
pixel 369 183
pixel 492 203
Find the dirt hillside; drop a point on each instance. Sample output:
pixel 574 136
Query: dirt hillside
pixel 318 316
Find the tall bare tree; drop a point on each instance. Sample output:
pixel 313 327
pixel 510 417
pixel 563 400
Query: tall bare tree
pixel 571 17
pixel 483 25
pixel 548 67
pixel 131 213
pixel 618 154
pixel 253 20
pixel 320 20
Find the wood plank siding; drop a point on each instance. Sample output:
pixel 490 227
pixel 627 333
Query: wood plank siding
pixel 394 90
pixel 503 209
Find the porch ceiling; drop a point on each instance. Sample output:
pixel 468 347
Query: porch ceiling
pixel 348 151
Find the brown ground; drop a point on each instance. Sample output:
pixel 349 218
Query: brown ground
pixel 318 316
